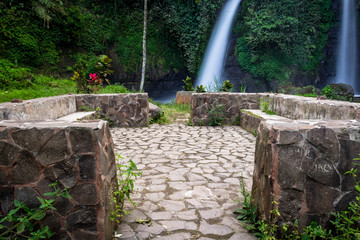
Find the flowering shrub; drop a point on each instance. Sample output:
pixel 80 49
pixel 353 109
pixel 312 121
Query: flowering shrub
pixel 95 82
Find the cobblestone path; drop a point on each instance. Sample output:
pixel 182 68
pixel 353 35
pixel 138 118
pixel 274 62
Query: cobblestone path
pixel 189 183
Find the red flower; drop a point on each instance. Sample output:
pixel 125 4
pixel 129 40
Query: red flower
pixel 94 79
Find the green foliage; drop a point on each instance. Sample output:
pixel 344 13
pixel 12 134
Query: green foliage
pixel 12 76
pixel 116 88
pixel 247 213
pixel 127 174
pixel 41 86
pixel 264 105
pixel 171 112
pixel 22 222
pixel 280 34
pixel 188 84
pixel 346 224
pixel 216 115
pixel 333 91
pixel 227 86
pixel 243 88
pixel 200 89
pixel 190 24
pixel 103 67
pixel 101 70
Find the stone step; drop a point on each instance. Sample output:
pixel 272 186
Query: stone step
pixel 78 116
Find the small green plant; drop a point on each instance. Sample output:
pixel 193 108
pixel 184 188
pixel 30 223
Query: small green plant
pixel 200 89
pixel 188 84
pixel 215 86
pixel 265 107
pixel 237 121
pixel 227 86
pixel 190 122
pixel 216 115
pixel 336 92
pixel 243 88
pixel 22 222
pixel 247 213
pixel 346 224
pixel 160 119
pixel 103 67
pixel 86 109
pixel 127 174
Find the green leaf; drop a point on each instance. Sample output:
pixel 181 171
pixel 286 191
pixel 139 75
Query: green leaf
pixel 49 194
pixel 17 203
pixel 39 215
pixel 20 228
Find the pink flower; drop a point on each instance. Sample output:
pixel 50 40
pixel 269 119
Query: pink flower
pixel 93 78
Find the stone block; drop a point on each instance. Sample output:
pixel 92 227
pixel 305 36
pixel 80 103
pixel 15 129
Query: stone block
pixel 298 165
pixel 84 194
pixel 82 219
pixel 123 110
pixel 25 169
pixel 54 150
pixel 183 97
pixel 39 108
pixel 8 154
pixel 87 167
pixel 69 153
pixel 28 196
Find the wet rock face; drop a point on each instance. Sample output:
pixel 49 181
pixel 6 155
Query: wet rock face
pixel 77 155
pixel 305 175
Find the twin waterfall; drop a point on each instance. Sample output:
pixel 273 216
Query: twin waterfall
pixel 213 63
pixel 347 60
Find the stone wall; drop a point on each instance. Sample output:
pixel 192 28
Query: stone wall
pixel 39 108
pixel 78 155
pixel 123 110
pixel 251 119
pixel 232 103
pixel 183 97
pixel 301 165
pixel 296 107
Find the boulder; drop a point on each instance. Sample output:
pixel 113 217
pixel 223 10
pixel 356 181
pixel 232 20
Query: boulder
pixel 339 91
pixel 154 111
pixel 293 90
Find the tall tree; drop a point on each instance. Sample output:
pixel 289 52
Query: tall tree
pixel 144 48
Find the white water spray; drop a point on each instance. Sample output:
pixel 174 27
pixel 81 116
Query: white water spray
pixel 213 63
pixel 346 68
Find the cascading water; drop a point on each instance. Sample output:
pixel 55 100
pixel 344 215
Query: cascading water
pixel 346 68
pixel 213 63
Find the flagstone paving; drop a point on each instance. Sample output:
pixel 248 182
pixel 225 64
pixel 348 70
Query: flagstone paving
pixel 189 183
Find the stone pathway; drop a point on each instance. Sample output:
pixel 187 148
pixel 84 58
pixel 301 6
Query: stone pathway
pixel 189 183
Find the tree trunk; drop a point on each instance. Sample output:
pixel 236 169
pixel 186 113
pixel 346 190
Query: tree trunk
pixel 144 48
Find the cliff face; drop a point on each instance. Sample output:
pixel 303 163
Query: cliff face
pixel 327 69
pixel 320 77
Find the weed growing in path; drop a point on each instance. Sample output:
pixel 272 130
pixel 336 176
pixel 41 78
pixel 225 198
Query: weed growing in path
pixel 127 174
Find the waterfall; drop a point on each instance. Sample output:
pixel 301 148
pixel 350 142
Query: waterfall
pixel 213 63
pixel 347 60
